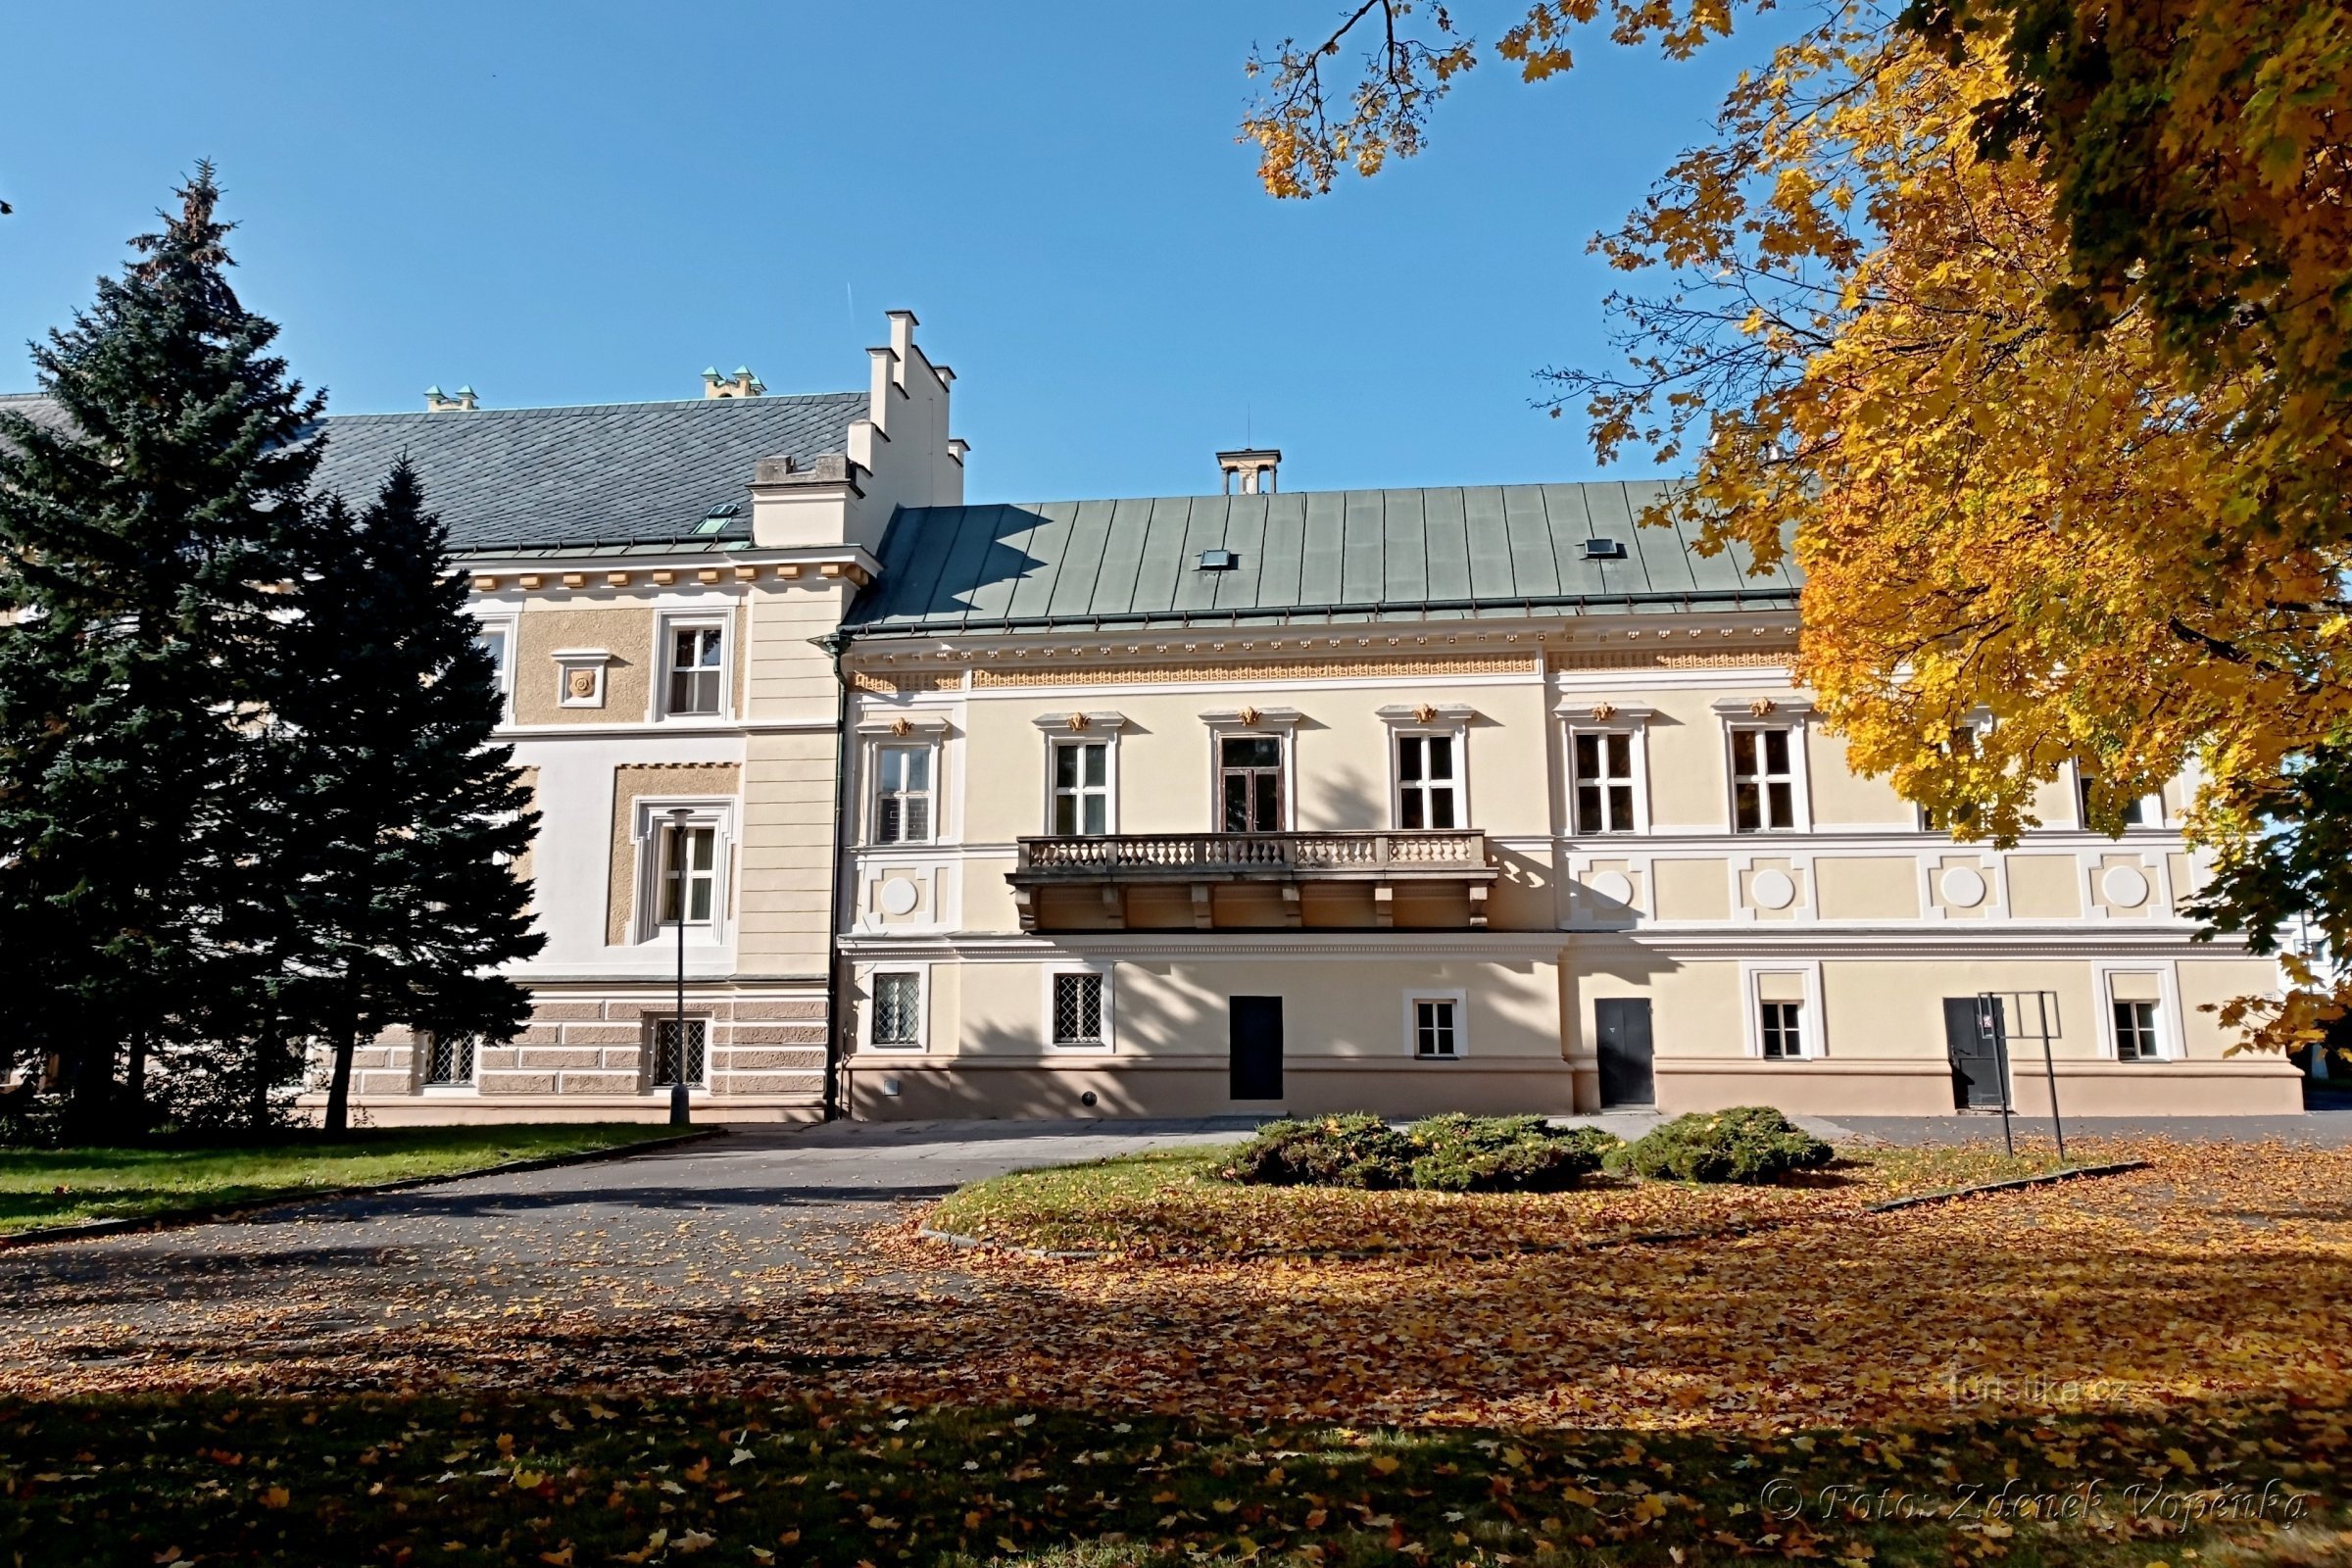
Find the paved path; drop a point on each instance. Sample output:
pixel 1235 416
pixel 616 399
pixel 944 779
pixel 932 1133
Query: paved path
pixel 755 1216
pixel 738 1218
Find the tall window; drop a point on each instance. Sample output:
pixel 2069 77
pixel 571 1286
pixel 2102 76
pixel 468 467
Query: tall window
pixel 1428 785
pixel 899 1010
pixel 1434 1034
pixel 1962 743
pixel 2135 1032
pixel 447 1061
pixel 2089 788
pixel 678 1059
pixel 1763 781
pixel 1250 783
pixel 1081 787
pixel 1602 764
pixel 902 795
pixel 1078 1010
pixel 1783 1030
pixel 492 641
pixel 694 669
pixel 689 873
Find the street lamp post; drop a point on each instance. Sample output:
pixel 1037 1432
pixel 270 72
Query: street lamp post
pixel 680 1113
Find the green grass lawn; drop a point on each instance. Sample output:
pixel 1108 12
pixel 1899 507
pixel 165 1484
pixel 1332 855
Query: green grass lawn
pixel 41 1187
pixel 507 1478
pixel 1170 1203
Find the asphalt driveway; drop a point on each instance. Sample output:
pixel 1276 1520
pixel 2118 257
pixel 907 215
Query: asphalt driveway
pixel 737 1218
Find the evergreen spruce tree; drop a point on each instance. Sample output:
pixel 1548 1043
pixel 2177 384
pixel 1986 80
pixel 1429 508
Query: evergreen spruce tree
pixel 145 540
pixel 400 818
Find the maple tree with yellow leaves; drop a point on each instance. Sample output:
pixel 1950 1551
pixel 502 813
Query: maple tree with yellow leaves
pixel 2057 433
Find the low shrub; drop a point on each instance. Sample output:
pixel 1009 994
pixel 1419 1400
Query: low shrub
pixel 1451 1154
pixel 1504 1155
pixel 1357 1150
pixel 1751 1144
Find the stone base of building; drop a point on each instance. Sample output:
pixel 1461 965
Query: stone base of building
pixel 436 1111
pixel 1833 1086
pixel 880 1086
pixel 884 1087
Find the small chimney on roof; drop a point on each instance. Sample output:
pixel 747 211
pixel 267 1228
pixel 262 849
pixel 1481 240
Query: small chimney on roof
pixel 437 401
pixel 1255 465
pixel 741 384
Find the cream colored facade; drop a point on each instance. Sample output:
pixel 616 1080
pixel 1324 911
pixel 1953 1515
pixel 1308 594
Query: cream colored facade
pixel 1855 913
pixel 910 910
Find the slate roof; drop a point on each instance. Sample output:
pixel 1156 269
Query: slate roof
pixel 1354 554
pixel 529 480
pixel 511 480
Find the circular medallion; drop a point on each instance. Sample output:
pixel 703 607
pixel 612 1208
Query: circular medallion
pixel 1772 890
pixel 2126 886
pixel 900 896
pixel 1614 886
pixel 1963 887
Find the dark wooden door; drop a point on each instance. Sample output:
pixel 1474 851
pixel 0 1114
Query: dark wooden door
pixel 1972 1035
pixel 1623 1025
pixel 1257 1044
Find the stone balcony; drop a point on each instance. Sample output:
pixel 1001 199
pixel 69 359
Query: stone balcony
pixel 1267 879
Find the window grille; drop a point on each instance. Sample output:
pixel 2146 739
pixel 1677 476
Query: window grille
pixel 898 1010
pixel 1078 1010
pixel 668 1068
pixel 448 1060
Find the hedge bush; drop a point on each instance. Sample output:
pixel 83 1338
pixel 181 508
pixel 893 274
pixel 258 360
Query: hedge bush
pixel 1458 1154
pixel 1751 1144
pixel 1451 1154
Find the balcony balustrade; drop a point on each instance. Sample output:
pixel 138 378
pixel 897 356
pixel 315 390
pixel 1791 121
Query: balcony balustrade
pixel 1382 859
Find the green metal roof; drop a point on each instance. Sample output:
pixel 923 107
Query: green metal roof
pixel 1341 555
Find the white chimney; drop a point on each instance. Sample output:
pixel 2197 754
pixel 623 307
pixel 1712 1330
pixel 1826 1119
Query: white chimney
pixel 1254 465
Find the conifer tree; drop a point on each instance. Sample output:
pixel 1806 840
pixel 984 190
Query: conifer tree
pixel 146 535
pixel 400 820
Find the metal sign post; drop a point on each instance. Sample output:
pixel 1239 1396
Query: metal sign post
pixel 2007 1014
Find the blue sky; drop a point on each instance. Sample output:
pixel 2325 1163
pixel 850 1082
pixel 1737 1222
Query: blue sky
pixel 590 202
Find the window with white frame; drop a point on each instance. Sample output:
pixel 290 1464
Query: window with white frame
pixel 1081 788
pixel 697 668
pixel 689 857
pixel 2092 795
pixel 495 640
pixel 1250 784
pixel 1600 764
pixel 1428 792
pixel 898 1011
pixel 1078 1018
pixel 2136 1009
pixel 1961 742
pixel 1435 1027
pixel 677 1056
pixel 1781 1030
pixel 1763 778
pixel 447 1060
pixel 903 793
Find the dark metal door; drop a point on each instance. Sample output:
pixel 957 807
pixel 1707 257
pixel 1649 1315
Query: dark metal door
pixel 1623 1026
pixel 1257 1044
pixel 1972 1035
